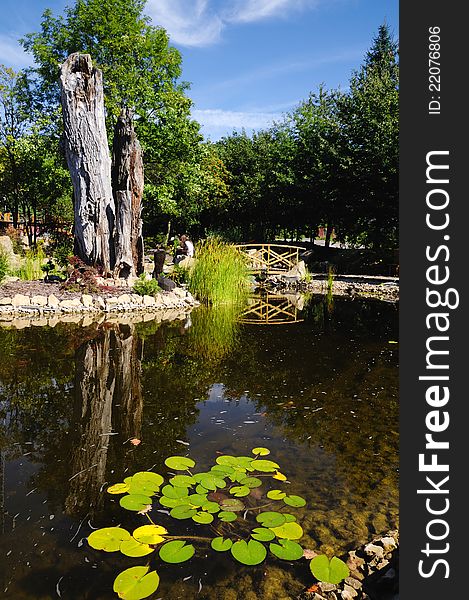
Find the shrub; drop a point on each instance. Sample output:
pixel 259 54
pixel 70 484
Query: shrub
pixel 31 267
pixel 4 264
pixel 146 287
pixel 82 278
pixel 220 273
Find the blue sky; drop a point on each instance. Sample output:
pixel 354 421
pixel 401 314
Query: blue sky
pixel 248 61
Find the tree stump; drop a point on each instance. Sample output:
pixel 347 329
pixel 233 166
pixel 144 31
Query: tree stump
pixel 88 159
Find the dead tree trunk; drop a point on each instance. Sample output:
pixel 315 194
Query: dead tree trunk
pixel 89 162
pixel 127 184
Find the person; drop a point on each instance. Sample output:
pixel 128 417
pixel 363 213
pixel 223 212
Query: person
pixel 185 249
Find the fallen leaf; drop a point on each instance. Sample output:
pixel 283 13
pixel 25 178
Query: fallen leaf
pixel 313 588
pixel 135 441
pixel 309 554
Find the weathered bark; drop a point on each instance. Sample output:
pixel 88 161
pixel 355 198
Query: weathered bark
pixel 89 162
pixel 127 184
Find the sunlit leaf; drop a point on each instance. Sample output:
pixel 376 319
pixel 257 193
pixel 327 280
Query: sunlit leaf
pixel 262 534
pixel 135 549
pixel 249 553
pixel 221 544
pixel 183 511
pixel 197 500
pixel 286 550
pixel 118 488
pixel 223 469
pixel 182 481
pixel 270 519
pixel 108 539
pixel 174 492
pixel 147 480
pixel 149 534
pixel 261 451
pixel 250 482
pixel 211 507
pixel 289 518
pixel 179 463
pixel 289 531
pixel 240 490
pixel 279 476
pixel 136 583
pixel 265 466
pixel 135 502
pixel 172 502
pixel 176 551
pixel 333 571
pixel 203 518
pixel 227 516
pixel 276 495
pixel 211 480
pixel 295 501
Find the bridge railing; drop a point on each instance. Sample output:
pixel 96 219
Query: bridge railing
pixel 271 258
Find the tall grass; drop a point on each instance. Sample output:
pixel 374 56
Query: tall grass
pixel 214 332
pixel 4 264
pixel 220 273
pixel 30 268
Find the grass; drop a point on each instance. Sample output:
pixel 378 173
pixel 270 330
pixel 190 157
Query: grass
pixel 4 264
pixel 30 268
pixel 220 273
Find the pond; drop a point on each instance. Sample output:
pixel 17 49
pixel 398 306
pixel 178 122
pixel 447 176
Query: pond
pixel 317 385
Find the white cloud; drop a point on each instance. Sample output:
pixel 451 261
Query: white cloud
pixel 216 122
pixel 12 54
pixel 201 22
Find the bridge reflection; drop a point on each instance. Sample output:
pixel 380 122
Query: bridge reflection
pixel 273 309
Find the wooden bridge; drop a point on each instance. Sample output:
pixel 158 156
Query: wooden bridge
pixel 271 259
pixel 271 309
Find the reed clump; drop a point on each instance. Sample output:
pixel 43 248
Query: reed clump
pixel 220 273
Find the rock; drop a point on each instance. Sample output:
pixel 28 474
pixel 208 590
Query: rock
pixel 5 300
pixel 389 544
pixel 87 300
pixel 74 303
pixel 6 244
pixel 372 549
pixel 53 301
pixel 99 302
pixel 298 271
pixel 348 593
pixel 166 284
pixel 39 300
pixel 180 293
pixel 124 299
pixel 327 587
pixel 20 300
pixel 148 300
pixel 352 582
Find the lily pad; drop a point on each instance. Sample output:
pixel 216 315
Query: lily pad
pixel 279 476
pixel 248 553
pixel 251 482
pixel 261 451
pixel 135 549
pixel 289 518
pixel 136 583
pixel 287 550
pixel 182 481
pixel 289 531
pixel 183 511
pixel 226 459
pixel 211 480
pixel 211 507
pixel 204 518
pixel 276 495
pixel 147 479
pixel 179 463
pixel 265 466
pixel 176 551
pixel 197 500
pixel 240 490
pixel 221 544
pixel 108 539
pixel 150 534
pixel 135 502
pixel 118 488
pixel 270 519
pixel 262 534
pixel 295 501
pixel 232 504
pixel 172 502
pixel 227 516
pixel 224 469
pixel 174 492
pixel 333 571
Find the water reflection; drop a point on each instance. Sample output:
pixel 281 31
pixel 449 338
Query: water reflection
pixel 273 309
pixel 322 394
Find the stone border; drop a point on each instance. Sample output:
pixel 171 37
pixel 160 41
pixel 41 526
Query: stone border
pixel 34 306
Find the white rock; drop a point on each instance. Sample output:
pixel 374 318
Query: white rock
pixel 39 300
pixel 20 300
pixel 148 300
pixel 87 300
pixel 53 301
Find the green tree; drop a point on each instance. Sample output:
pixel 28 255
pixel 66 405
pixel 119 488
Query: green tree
pixel 369 116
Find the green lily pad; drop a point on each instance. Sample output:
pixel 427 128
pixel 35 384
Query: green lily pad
pixel 289 531
pixel 295 501
pixel 174 492
pixel 147 479
pixel 118 488
pixel 289 518
pixel 270 519
pixel 176 551
pixel 240 490
pixel 135 549
pixel 221 544
pixel 183 511
pixel 182 481
pixel 248 553
pixel 199 489
pixel 179 463
pixel 333 571
pixel 227 516
pixel 108 539
pixel 251 482
pixel 211 507
pixel 135 502
pixel 226 459
pixel 172 502
pixel 276 495
pixel 211 480
pixel 223 469
pixel 204 518
pixel 261 451
pixel 197 500
pixel 149 534
pixel 136 583
pixel 286 550
pixel 265 466
pixel 232 504
pixel 262 534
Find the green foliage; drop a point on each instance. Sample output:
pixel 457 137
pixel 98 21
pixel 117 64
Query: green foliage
pixel 329 571
pixel 4 264
pixel 146 287
pixel 31 265
pixel 219 275
pixel 202 498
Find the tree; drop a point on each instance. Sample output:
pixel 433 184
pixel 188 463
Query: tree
pixel 369 116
